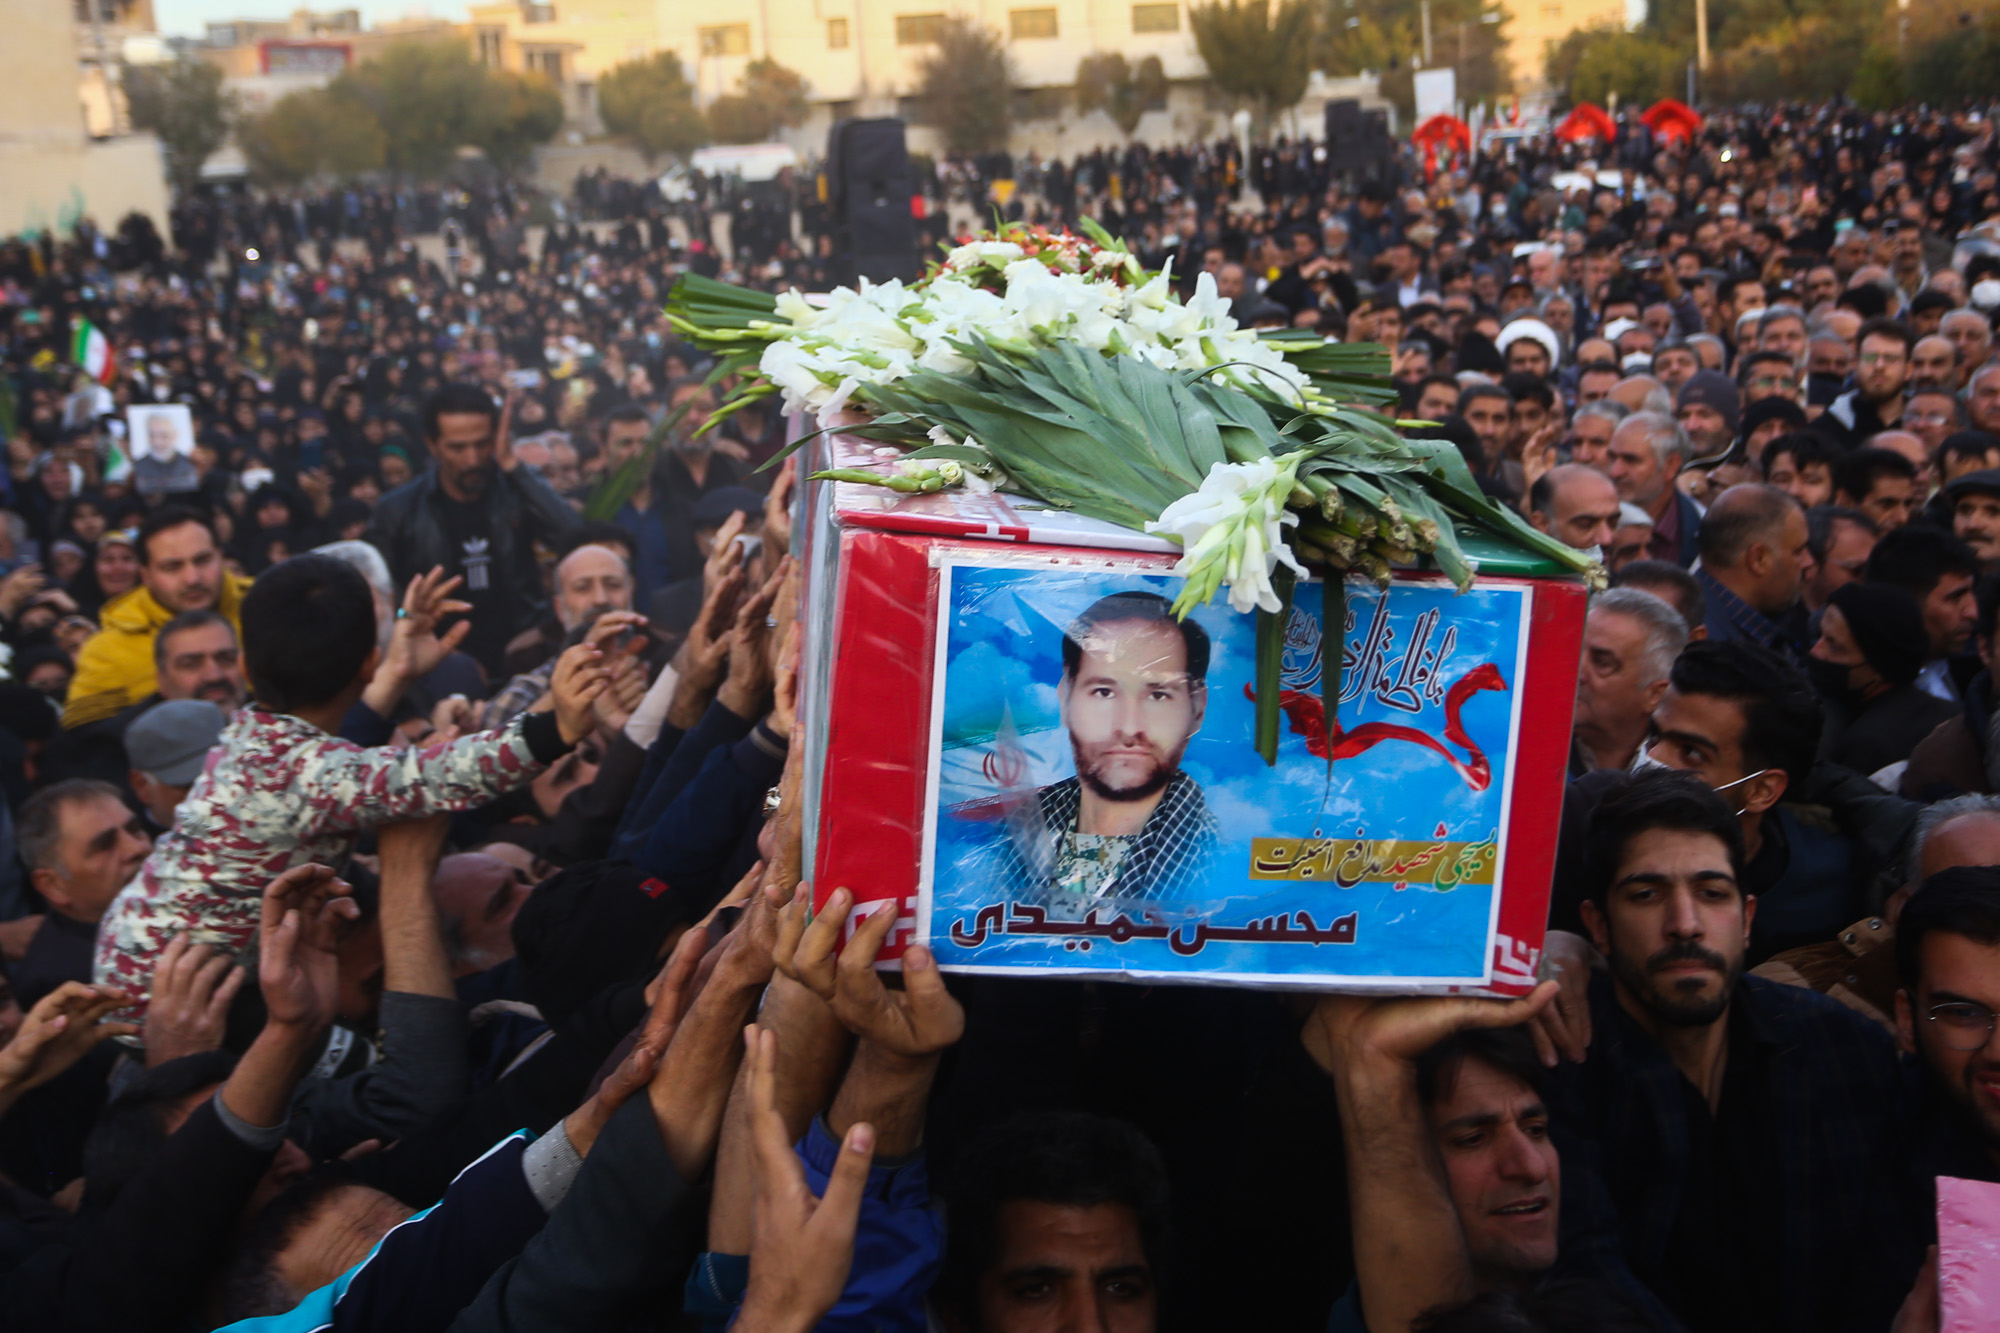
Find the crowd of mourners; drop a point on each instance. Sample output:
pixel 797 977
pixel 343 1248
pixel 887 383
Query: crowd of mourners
pixel 401 912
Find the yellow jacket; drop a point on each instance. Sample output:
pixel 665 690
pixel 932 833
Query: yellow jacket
pixel 115 668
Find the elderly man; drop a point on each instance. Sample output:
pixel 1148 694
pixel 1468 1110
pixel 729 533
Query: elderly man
pixel 81 844
pixel 1630 640
pixel 1647 452
pixel 1575 504
pixel 1753 563
pixel 590 581
pixel 1934 363
pixel 1709 409
pixel 1972 334
pixel 1590 432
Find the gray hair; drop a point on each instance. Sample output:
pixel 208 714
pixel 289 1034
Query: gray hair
pixel 1772 314
pixel 38 828
pixel 1666 632
pixel 367 560
pixel 1935 816
pixel 1609 408
pixel 1662 432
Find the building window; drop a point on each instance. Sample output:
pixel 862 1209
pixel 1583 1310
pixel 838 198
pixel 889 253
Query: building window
pixel 836 34
pixel 534 13
pixel 489 46
pixel 730 39
pixel 1027 24
pixel 546 63
pixel 1156 18
pixel 918 29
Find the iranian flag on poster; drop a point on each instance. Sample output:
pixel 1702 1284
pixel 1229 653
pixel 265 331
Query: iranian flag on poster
pixel 92 350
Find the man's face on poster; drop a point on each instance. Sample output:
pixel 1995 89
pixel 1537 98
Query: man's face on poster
pixel 1131 708
pixel 161 436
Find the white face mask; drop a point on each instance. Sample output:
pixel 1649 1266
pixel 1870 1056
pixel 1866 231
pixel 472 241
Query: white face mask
pixel 1644 762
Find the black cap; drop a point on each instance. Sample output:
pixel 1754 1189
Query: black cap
pixel 1986 481
pixel 713 510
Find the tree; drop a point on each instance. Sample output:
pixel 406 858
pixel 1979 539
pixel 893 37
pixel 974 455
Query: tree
pixel 1640 68
pixel 323 131
pixel 516 113
pixel 1107 83
pixel 966 86
pixel 183 103
pixel 1254 50
pixel 650 101
pixel 428 97
pixel 771 97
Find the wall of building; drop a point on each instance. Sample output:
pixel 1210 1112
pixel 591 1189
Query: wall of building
pixel 51 172
pixel 52 184
pixel 1532 25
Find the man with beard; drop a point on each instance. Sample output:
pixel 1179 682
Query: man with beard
pixel 1130 824
pixel 476 512
pixel 1737 1137
pixel 180 569
pixel 1875 403
pixel 687 469
pixel 1948 957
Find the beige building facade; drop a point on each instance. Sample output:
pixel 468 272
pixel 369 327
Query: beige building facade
pixel 53 170
pixel 858 56
pixel 1535 25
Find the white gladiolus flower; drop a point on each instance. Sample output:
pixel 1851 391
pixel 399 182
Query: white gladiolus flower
pixel 1231 531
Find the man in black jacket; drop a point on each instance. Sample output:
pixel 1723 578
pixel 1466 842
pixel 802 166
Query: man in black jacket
pixel 477 512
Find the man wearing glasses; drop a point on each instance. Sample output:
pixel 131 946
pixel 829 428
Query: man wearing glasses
pixel 1948 959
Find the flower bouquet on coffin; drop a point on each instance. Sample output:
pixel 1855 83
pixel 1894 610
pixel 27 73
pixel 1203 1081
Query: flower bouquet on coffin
pixel 1054 367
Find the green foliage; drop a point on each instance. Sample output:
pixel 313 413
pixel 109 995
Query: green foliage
pixel 514 114
pixel 1386 36
pixel 324 131
pixel 409 111
pixel 1593 64
pixel 1254 50
pixel 429 97
pixel 771 97
pixel 650 101
pixel 1109 84
pixel 183 103
pixel 965 85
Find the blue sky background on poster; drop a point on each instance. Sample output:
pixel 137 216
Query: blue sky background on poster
pixel 1001 652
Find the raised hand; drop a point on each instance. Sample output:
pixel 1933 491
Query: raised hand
pixel 297 968
pixel 415 647
pixel 193 986
pixel 580 676
pixel 802 1246
pixel 919 1020
pixel 749 681
pixel 704 654
pixel 61 1029
pixel 1360 1029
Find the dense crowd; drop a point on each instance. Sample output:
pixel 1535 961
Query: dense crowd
pixel 402 824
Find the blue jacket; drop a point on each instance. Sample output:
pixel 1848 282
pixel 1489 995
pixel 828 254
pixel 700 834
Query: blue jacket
pixel 420 1275
pixel 898 1248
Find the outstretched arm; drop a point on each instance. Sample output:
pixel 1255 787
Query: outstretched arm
pixel 1409 1248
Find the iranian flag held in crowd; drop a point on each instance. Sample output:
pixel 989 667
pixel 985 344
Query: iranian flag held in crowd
pixel 92 350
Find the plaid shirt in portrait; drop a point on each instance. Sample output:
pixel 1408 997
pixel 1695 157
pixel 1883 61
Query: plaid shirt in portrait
pixel 1824 1079
pixel 1169 857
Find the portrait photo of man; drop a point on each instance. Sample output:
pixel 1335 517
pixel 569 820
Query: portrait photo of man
pixel 162 444
pixel 1131 824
